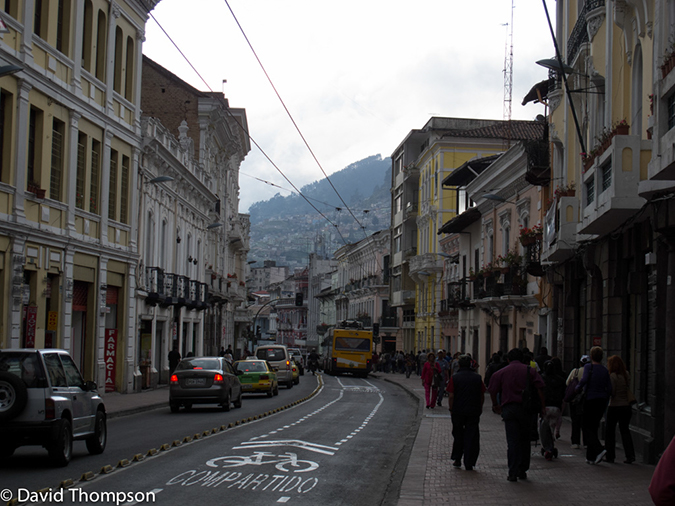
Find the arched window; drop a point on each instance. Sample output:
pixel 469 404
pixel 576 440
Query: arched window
pixel 101 34
pixel 150 240
pixel 636 95
pixel 163 244
pixel 129 71
pixel 87 35
pixel 117 81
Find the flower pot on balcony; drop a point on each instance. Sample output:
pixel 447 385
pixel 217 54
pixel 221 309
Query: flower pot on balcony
pixel 526 240
pixel 622 129
pixel 40 193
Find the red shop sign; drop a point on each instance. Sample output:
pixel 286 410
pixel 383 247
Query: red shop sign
pixel 110 353
pixel 31 326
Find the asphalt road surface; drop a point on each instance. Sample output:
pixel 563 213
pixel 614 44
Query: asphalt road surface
pixel 348 444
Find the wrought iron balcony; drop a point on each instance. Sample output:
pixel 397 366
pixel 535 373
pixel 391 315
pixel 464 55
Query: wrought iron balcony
pixel 533 258
pixel 538 163
pixel 168 289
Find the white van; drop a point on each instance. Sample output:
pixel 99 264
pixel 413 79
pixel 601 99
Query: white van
pixel 279 358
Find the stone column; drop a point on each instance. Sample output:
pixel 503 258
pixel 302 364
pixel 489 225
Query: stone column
pixel 71 169
pixel 22 119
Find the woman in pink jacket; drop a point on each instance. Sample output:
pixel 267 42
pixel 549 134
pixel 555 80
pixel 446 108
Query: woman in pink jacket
pixel 428 371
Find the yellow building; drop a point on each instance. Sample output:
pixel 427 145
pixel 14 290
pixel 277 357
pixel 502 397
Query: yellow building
pixel 609 245
pixel 69 147
pixel 419 210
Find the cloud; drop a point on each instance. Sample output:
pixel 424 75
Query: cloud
pixel 357 76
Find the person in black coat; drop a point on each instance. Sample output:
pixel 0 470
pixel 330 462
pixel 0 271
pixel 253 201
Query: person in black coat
pixel 174 358
pixel 554 393
pixel 466 393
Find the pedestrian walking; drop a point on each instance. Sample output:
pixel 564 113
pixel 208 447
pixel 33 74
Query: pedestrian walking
pixel 554 392
pixel 445 368
pixel 577 409
pixel 466 394
pixel 662 487
pixel 619 411
pixel 430 371
pixel 494 365
pixel 510 383
pixel 542 358
pixel 227 354
pixel 174 358
pixel 598 387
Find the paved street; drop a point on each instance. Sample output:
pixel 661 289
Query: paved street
pixel 431 480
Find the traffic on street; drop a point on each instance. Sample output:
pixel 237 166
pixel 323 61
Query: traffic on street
pixel 333 443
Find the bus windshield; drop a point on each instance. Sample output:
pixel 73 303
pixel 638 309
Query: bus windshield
pixel 352 344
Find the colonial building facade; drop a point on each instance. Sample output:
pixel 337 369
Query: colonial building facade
pixel 71 129
pixel 195 242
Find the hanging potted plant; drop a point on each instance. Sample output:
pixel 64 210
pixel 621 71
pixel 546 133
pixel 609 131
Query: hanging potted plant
pixel 529 236
pixel 622 127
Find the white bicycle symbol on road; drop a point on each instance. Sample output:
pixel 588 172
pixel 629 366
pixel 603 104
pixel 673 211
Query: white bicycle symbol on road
pixel 257 459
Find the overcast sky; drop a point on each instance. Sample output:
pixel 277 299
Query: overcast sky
pixel 357 76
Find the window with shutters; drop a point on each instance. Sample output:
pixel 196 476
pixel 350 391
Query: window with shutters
pixel 95 175
pixel 63 26
pixel 56 174
pixel 81 176
pixel 100 45
pixel 129 70
pixel 124 190
pixel 5 135
pixel 112 198
pixel 34 146
pixel 87 34
pixel 117 75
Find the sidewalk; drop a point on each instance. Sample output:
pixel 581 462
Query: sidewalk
pixel 117 404
pixel 430 478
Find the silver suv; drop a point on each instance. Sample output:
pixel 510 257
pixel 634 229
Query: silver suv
pixel 44 401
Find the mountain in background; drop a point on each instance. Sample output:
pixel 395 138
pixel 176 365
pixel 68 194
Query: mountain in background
pixel 287 229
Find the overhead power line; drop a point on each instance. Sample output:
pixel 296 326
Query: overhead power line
pixel 269 79
pixel 246 132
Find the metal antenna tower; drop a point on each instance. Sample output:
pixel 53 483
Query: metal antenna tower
pixel 508 81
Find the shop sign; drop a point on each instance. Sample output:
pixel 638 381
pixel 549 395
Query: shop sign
pixel 597 341
pixel 110 355
pixel 52 320
pixel 31 326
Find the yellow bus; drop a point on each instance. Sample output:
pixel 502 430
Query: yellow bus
pixel 348 348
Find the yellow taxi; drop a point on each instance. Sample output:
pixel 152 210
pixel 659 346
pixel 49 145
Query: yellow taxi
pixel 296 372
pixel 257 376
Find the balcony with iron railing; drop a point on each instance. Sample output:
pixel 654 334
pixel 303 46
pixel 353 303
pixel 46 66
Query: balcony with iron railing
pixel 579 34
pixel 167 289
pixel 411 210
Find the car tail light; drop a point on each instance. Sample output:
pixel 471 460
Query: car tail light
pixel 218 378
pixel 174 379
pixel 264 376
pixel 50 409
pixel 197 367
pixel 288 364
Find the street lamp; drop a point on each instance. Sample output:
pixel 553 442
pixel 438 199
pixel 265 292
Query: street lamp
pixel 6 70
pixel 497 198
pixel 160 179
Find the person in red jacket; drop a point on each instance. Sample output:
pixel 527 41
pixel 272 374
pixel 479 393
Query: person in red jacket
pixel 662 487
pixel 430 369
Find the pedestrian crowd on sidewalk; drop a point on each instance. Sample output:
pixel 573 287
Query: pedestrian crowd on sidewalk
pixel 530 394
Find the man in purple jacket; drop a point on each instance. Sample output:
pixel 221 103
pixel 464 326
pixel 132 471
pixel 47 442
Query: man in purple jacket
pixel 509 383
